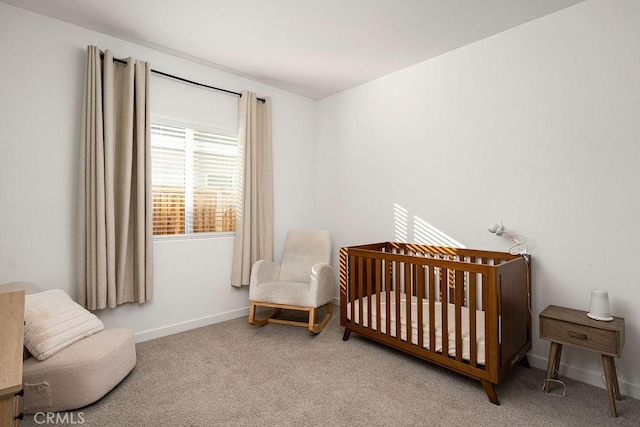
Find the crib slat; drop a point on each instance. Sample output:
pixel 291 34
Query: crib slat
pixel 473 339
pixel 408 295
pixel 352 287
pixel 419 297
pixel 343 286
pixel 452 284
pixel 485 293
pixel 398 292
pixel 459 299
pixel 445 312
pixel 491 321
pixel 360 290
pixel 432 309
pixel 388 283
pixel 369 283
pixel 378 292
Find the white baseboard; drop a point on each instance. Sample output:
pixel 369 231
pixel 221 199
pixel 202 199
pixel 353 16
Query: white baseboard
pixel 587 377
pixel 190 324
pixel 196 323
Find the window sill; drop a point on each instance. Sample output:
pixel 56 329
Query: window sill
pixel 193 236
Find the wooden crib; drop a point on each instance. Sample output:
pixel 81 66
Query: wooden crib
pixel 469 310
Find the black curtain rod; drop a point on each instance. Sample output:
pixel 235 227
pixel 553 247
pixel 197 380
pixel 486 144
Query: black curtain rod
pixel 185 80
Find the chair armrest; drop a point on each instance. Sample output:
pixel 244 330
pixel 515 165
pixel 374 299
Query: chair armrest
pixel 322 285
pixel 263 271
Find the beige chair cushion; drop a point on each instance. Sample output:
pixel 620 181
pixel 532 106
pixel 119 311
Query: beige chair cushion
pixel 287 293
pixel 303 249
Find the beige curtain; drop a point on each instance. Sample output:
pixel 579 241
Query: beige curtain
pixel 114 200
pixel 254 226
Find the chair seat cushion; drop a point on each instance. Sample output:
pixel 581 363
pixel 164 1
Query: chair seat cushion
pixel 79 374
pixel 286 293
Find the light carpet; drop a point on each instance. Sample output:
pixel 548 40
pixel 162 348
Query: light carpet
pixel 235 374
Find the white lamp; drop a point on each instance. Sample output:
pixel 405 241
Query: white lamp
pixel 599 305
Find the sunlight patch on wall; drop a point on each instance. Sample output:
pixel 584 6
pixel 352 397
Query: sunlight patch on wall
pixel 417 230
pixel 427 234
pixel 401 217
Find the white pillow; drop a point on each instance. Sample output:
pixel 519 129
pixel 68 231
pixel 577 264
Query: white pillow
pixel 53 321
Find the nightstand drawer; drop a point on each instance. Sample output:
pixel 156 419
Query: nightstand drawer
pixel 599 340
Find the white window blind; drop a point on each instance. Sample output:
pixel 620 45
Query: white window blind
pixel 194 180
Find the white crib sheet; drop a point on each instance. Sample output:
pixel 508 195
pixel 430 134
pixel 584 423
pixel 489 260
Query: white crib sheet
pixel 414 323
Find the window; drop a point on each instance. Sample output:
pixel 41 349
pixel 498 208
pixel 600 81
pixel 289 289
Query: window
pixel 194 180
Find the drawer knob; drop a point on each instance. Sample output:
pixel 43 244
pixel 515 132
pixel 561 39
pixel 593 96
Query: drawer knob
pixel 577 335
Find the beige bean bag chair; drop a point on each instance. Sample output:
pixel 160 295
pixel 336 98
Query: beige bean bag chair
pixel 70 376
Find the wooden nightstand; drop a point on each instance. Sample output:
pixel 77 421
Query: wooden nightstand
pixel 572 327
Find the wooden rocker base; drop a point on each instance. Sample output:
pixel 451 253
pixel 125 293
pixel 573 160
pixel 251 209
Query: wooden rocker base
pixel 313 327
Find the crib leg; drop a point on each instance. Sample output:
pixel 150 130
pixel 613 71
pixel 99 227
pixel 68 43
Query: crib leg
pixel 347 333
pixel 491 392
pixel 525 362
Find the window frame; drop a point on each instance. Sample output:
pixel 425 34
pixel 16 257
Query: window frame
pixel 199 127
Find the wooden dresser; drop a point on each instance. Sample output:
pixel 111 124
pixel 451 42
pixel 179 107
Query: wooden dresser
pixel 11 342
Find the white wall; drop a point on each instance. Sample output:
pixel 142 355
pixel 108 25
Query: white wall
pixel 537 126
pixel 42 70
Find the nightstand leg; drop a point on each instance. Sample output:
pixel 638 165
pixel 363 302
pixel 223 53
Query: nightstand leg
pixel 614 374
pixel 554 363
pixel 556 375
pixel 609 374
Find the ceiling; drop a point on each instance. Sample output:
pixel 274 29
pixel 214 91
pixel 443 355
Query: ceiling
pixel 311 47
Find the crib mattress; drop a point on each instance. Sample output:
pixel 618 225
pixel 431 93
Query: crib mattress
pixel 451 322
